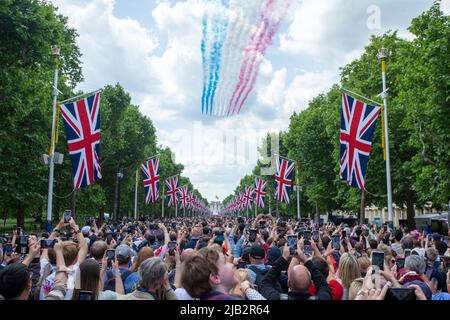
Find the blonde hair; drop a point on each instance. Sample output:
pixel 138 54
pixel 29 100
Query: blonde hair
pixel 364 264
pixel 70 252
pixel 243 275
pixel 355 287
pixel 349 269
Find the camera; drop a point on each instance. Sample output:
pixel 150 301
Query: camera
pixel 45 243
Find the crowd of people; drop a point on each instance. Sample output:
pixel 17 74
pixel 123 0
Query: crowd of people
pixel 224 258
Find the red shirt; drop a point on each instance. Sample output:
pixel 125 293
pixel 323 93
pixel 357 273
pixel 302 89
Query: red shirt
pixel 336 288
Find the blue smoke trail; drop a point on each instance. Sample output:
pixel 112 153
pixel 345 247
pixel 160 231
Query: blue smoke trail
pixel 220 27
pixel 203 47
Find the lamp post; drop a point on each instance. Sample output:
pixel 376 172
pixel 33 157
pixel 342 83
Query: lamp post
pixel 55 55
pixel 383 56
pixel 119 177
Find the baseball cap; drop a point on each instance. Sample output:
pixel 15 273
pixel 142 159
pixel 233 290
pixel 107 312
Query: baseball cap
pixel 257 252
pixel 85 230
pixel 123 251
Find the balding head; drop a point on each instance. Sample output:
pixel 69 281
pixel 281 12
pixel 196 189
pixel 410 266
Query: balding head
pixel 186 254
pixel 299 279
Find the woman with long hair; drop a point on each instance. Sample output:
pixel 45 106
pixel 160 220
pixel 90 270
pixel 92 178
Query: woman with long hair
pixel 348 271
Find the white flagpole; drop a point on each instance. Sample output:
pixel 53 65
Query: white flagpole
pixel 136 194
pixel 176 208
pixel 162 202
pixel 384 95
pixel 56 55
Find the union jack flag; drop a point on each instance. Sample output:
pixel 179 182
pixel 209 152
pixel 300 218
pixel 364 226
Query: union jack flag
pixel 248 197
pixel 283 177
pixel 151 179
pixel 184 196
pixel 358 121
pixel 82 123
pixel 190 200
pixel 260 191
pixel 172 190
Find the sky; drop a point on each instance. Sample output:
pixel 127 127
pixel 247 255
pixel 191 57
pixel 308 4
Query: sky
pixel 152 48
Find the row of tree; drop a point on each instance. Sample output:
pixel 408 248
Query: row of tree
pixel 418 75
pixel 29 29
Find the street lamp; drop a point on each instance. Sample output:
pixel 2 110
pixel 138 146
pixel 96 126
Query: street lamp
pixel 55 55
pixel 119 176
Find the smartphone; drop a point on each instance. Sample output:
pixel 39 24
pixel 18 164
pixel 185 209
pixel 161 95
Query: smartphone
pixel 307 250
pixel 67 216
pixel 23 245
pixel 400 294
pixel 400 262
pixel 18 231
pixel 343 234
pixel 307 236
pixel 407 253
pixel 109 237
pixel 252 235
pixel 315 235
pixel 262 224
pixel 111 254
pixel 172 245
pixel 292 243
pixel 45 243
pixel 7 249
pixel 378 259
pixel 386 240
pixel 335 242
pixel 85 295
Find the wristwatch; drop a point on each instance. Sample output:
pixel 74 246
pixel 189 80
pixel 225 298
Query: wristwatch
pixel 56 230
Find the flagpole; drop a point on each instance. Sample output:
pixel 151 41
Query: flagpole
pixel 298 191
pixel 56 55
pixel 162 201
pixel 176 209
pixel 384 95
pixel 136 195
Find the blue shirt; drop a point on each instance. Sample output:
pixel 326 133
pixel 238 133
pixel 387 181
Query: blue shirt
pixel 252 274
pixel 130 281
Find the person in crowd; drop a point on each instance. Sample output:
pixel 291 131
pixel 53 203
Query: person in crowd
pixel 301 273
pixel 123 254
pixel 207 276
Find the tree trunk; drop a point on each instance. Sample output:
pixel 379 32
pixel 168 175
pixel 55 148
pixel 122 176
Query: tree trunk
pixel 363 207
pixel 74 205
pixel 21 216
pixel 317 214
pixel 410 212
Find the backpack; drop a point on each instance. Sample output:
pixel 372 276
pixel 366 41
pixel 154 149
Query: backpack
pixel 260 274
pixel 111 280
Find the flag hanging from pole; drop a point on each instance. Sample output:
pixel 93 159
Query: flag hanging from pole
pixel 82 124
pixel 248 197
pixel 151 179
pixel 358 121
pixel 283 177
pixel 260 192
pixel 172 190
pixel 184 196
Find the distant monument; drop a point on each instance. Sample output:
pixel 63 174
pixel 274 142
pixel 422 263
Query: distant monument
pixel 215 207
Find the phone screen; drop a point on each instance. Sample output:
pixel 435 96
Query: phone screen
pixel 400 263
pixel 378 259
pixel 407 252
pixel 110 254
pixel 315 235
pixel 335 242
pixel 172 245
pixel 308 250
pixel 400 294
pixel 85 295
pixel 67 216
pixel 252 235
pixel 292 243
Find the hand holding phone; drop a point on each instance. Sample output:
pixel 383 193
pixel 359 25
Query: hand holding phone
pixel 67 216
